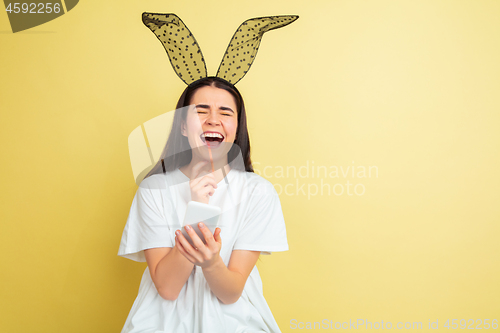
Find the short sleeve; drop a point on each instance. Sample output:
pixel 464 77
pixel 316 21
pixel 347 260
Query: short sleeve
pixel 264 226
pixel 146 226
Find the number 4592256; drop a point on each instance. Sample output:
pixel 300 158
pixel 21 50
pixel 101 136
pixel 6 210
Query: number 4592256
pixel 469 324
pixel 34 8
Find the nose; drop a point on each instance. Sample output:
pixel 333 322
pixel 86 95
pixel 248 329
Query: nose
pixel 213 118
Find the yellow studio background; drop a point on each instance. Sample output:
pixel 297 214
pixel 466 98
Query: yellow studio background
pixel 408 88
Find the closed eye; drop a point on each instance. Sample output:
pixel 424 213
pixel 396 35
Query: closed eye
pixel 202 108
pixel 227 110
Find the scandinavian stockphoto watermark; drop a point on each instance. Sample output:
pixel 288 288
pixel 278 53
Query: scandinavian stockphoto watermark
pixel 310 179
pixel 354 324
pixel 307 178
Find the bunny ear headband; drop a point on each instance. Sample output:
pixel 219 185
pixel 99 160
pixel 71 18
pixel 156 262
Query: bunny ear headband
pixel 185 53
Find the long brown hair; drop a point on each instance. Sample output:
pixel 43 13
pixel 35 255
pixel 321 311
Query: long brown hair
pixel 177 151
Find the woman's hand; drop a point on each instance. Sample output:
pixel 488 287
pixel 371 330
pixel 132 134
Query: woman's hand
pixel 202 184
pixel 203 255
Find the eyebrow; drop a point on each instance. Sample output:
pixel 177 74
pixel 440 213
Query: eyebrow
pixel 205 106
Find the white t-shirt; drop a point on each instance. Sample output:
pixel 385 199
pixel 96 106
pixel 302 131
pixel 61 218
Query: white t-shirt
pixel 251 219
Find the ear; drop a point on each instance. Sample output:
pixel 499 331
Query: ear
pixel 182 49
pixel 245 43
pixel 183 128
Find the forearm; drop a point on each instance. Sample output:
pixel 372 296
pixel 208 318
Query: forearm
pixel 224 283
pixel 171 274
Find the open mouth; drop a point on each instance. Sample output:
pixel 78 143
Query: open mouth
pixel 212 139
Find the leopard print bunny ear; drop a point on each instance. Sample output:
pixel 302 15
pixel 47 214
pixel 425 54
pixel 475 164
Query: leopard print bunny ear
pixel 181 46
pixel 245 43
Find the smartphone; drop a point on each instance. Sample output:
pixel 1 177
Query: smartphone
pixel 197 212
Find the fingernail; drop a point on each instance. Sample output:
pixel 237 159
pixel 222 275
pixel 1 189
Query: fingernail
pixel 177 232
pixel 201 225
pixel 188 227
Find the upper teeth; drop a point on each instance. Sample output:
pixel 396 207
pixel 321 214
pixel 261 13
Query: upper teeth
pixel 212 135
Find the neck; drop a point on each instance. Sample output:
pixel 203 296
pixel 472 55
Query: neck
pixel 221 167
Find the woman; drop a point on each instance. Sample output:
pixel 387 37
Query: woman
pixel 212 287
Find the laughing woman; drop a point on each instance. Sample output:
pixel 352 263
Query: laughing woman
pixel 213 286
